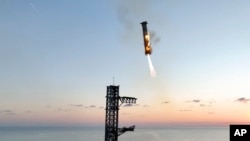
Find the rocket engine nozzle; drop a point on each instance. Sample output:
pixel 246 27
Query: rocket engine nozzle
pixel 146 37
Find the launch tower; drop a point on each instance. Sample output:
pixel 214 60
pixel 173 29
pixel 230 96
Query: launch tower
pixel 112 113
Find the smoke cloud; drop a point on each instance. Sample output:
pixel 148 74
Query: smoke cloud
pixel 194 101
pixel 76 105
pixel 185 110
pixel 91 106
pixel 202 105
pixel 165 102
pixel 28 112
pixel 154 38
pixel 8 112
pixel 243 100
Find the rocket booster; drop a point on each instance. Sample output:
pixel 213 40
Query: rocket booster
pixel 147 47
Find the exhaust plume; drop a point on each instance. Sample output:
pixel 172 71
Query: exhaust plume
pixel 151 67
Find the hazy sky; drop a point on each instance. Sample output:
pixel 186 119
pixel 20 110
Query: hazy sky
pixel 57 57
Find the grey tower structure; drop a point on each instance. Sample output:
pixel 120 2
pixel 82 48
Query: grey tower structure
pixel 112 113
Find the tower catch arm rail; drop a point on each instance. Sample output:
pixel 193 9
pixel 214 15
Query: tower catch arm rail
pixel 125 129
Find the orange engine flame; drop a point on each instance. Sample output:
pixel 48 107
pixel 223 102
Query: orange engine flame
pixel 148 49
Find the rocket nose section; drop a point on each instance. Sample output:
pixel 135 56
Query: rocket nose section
pixel 144 27
pixel 144 22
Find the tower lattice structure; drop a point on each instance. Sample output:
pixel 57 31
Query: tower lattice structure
pixel 112 113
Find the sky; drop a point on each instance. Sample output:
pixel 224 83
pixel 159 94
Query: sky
pixel 57 58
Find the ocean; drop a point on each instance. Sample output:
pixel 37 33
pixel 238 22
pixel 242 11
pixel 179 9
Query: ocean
pixel 97 134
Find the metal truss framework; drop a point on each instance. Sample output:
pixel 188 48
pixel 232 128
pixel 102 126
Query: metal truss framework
pixel 112 113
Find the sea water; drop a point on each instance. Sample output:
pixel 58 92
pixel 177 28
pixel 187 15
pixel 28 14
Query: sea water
pixel 97 134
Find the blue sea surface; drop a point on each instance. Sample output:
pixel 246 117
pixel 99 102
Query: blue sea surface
pixel 97 134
